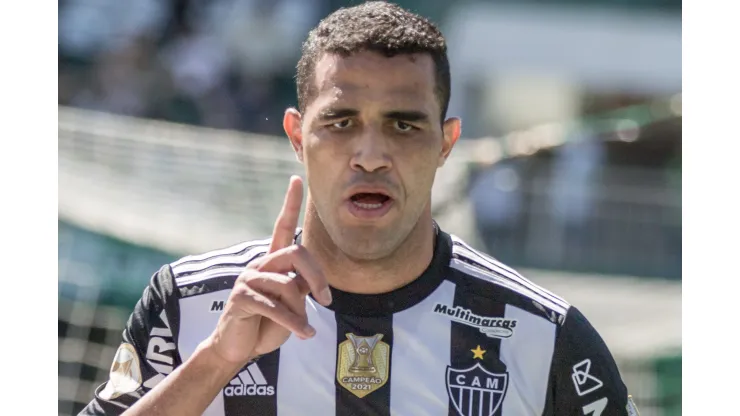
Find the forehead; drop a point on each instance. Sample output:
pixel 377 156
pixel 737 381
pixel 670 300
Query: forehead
pixel 366 79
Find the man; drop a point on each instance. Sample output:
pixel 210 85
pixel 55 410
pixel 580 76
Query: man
pixel 370 309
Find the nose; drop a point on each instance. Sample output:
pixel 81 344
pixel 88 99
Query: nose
pixel 371 153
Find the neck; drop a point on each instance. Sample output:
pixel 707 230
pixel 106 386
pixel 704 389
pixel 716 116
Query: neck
pixel 403 266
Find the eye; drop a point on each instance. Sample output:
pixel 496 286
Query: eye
pixel 342 124
pixel 403 127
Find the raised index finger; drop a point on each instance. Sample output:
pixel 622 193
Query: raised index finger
pixel 287 221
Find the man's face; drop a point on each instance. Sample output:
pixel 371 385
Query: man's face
pixel 371 141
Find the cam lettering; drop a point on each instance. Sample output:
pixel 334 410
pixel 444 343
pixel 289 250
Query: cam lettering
pixel 490 382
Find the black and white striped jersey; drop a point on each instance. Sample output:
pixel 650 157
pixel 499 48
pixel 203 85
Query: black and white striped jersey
pixel 469 337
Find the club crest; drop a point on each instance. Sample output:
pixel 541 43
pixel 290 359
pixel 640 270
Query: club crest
pixel 476 391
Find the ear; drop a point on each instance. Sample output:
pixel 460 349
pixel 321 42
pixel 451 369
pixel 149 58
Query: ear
pixel 451 130
pixel 292 127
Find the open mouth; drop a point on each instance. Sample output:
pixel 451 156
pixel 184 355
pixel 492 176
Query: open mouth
pixel 370 201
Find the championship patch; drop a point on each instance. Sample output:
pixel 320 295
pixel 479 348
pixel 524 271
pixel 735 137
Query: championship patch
pixel 476 391
pixel 125 373
pixel 362 364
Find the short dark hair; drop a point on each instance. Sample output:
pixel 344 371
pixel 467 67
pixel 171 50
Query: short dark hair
pixel 376 26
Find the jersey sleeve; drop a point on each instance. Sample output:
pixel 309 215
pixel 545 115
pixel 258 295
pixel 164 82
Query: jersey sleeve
pixel 585 379
pixel 148 349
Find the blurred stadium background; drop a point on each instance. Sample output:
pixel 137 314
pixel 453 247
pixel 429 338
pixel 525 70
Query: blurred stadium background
pixel 170 143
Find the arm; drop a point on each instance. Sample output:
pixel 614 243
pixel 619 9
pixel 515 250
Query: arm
pixel 138 385
pixel 147 376
pixel 584 378
pixel 190 388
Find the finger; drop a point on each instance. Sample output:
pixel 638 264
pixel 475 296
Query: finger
pixel 287 221
pixel 277 312
pixel 298 258
pixel 282 288
pixel 302 285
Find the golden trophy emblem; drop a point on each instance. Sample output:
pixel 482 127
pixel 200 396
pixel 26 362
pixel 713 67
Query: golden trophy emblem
pixel 364 347
pixel 363 363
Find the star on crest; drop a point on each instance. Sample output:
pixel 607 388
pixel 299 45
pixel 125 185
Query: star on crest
pixel 478 352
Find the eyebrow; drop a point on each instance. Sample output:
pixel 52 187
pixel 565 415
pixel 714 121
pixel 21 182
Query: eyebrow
pixel 405 115
pixel 336 113
pixel 411 115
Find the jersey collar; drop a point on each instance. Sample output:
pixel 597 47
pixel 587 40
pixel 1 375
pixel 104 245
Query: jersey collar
pixel 402 298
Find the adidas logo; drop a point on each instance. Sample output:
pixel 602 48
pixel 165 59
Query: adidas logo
pixel 250 382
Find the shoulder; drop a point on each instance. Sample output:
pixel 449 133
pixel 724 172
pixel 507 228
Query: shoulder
pixel 482 275
pixel 216 269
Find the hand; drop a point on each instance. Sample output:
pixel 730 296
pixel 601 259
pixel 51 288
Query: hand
pixel 266 303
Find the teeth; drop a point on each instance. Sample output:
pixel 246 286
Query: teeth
pixel 367 206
